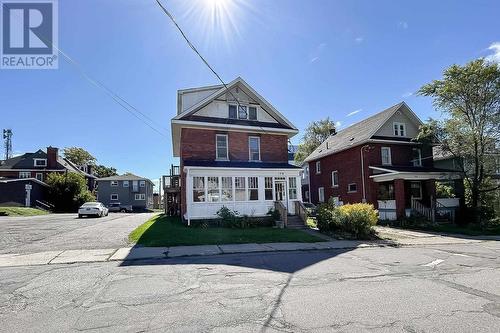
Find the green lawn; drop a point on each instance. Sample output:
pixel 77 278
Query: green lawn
pixel 21 211
pixel 161 230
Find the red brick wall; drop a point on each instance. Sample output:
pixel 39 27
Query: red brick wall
pixel 199 144
pixel 348 165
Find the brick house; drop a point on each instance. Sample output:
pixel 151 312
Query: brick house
pixel 376 161
pixel 232 146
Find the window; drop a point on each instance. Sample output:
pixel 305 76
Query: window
pixel 321 194
pixel 318 167
pixel 252 113
pixel 268 188
pixel 135 186
pixel 140 196
pixel 239 185
pixel 386 191
pixel 227 188
pixel 40 162
pixel 125 183
pixel 307 195
pixel 213 189
pixel 114 196
pixel 232 112
pixel 221 147
pixel 416 190
pixel 24 174
pixel 114 183
pixel 254 148
pixel 335 179
pixel 352 187
pixel 198 189
pixel 39 176
pixel 142 183
pixel 386 156
pixel 253 188
pixel 292 188
pixel 242 112
pixel 417 157
pixel 399 129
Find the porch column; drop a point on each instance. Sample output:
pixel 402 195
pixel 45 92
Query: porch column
pixel 399 195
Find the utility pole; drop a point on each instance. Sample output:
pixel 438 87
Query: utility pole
pixel 7 137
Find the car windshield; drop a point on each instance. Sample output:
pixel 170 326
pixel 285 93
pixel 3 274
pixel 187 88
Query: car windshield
pixel 90 204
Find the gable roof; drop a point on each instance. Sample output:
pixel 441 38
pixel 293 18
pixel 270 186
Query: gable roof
pixel 129 176
pixel 357 133
pixel 220 90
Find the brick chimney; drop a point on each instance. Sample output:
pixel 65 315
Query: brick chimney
pixel 52 154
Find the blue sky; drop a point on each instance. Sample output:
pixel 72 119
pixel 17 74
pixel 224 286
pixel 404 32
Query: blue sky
pixel 310 59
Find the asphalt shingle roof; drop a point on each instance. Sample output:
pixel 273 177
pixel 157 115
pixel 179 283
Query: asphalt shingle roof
pixel 242 164
pixel 129 176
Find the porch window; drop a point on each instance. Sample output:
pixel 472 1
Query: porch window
pixel 268 188
pixel 353 187
pixel 399 129
pixel 227 188
pixel 335 178
pixel 24 174
pixel 321 194
pixel 239 185
pixel 253 188
pixel 213 189
pixel 416 190
pixel 417 157
pixel 318 167
pixel 292 188
pixel 232 111
pixel 254 148
pixel 386 156
pixel 386 191
pixel 221 147
pixel 252 113
pixel 199 189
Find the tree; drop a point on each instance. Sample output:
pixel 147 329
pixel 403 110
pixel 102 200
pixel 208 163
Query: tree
pixel 79 156
pixel 316 132
pixel 469 97
pixel 101 171
pixel 68 191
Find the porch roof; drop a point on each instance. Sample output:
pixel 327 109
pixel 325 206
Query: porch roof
pixel 239 164
pixel 389 173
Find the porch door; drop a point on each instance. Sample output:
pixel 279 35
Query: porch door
pixel 280 190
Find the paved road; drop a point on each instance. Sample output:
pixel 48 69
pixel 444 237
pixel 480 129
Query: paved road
pixel 66 232
pixel 437 288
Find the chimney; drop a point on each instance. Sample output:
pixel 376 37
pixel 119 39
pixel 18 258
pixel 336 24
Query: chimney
pixel 52 154
pixel 333 131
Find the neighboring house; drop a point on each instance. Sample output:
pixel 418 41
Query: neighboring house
pixel 128 189
pixel 232 145
pixel 13 192
pixel 376 161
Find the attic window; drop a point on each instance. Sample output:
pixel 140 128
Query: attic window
pixel 40 162
pixel 242 112
pixel 399 129
pixel 232 111
pixel 252 113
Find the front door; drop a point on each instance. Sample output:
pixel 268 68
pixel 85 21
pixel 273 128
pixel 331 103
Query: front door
pixel 279 189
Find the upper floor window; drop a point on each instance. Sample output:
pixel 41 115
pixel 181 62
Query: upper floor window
pixel 232 111
pixel 386 156
pixel 114 183
pixel 254 148
pixel 242 112
pixel 39 176
pixel 24 174
pixel 125 183
pixel 417 157
pixel 221 147
pixel 142 183
pixel 318 167
pixel 335 178
pixel 40 162
pixel 252 113
pixel 399 129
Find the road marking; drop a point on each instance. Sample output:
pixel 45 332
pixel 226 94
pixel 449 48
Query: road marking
pixel 461 255
pixel 434 263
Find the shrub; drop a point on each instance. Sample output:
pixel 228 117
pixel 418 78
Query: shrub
pixel 355 219
pixel 228 217
pixel 274 214
pixel 324 216
pixel 68 191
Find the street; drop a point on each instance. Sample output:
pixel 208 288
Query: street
pixel 66 232
pixel 431 288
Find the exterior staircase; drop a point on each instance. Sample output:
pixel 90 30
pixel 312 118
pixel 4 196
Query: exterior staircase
pixel 295 222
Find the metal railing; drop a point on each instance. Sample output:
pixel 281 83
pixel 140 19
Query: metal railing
pixel 301 211
pixel 278 205
pixel 44 205
pixel 444 210
pixel 420 208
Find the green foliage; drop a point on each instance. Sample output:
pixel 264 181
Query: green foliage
pixel 315 133
pixel 68 191
pixel 101 171
pixel 274 214
pixel 356 219
pixel 444 190
pixel 469 97
pixel 79 156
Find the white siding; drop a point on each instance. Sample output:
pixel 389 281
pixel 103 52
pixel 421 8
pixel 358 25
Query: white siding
pixel 388 130
pixel 189 99
pixel 219 109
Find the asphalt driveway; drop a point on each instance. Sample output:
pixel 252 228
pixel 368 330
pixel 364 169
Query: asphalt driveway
pixel 66 232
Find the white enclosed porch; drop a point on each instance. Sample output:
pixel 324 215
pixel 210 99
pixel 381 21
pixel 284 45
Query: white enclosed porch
pixel 249 191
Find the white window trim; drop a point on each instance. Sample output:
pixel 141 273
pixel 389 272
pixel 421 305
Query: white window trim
pixel 238 111
pixel 114 182
pixel 39 159
pixel 337 184
pixel 398 129
pixel 417 162
pixel 111 197
pixel 126 182
pixel 236 106
pixel 318 167
pixel 24 173
pixel 389 154
pixel 41 176
pixel 321 190
pixel 142 183
pixel 217 148
pixel 140 196
pixel 348 188
pixel 256 112
pixel 249 150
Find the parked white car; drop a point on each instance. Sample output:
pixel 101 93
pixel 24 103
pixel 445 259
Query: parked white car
pixel 93 209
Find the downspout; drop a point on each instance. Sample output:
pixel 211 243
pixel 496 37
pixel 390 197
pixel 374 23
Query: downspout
pixel 309 182
pixel 363 174
pixel 186 195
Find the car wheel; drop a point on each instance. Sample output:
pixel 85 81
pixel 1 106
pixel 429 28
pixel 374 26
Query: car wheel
pixel 123 210
pixel 80 216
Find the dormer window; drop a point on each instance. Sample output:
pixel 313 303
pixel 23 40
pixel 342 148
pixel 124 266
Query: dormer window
pixel 399 129
pixel 40 162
